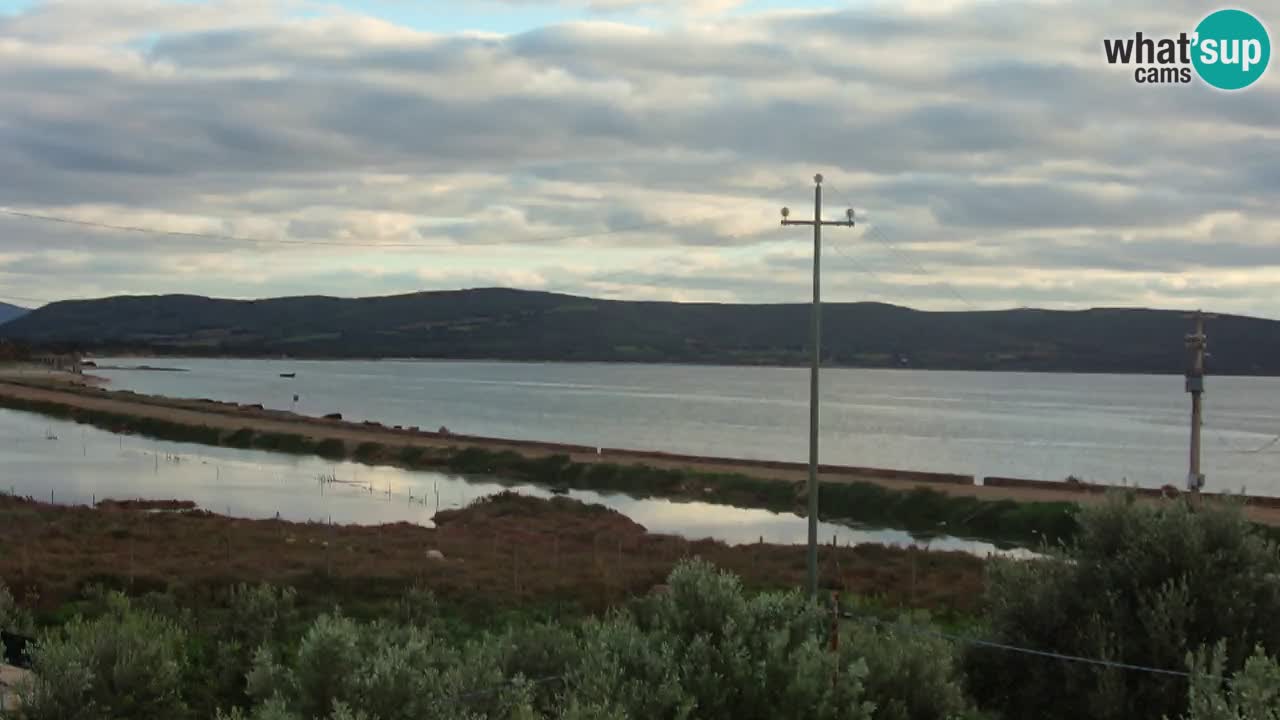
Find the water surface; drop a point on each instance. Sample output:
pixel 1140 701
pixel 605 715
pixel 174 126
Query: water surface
pixel 62 462
pixel 1103 428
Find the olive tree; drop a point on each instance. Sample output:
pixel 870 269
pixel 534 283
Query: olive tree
pixel 1141 584
pixel 127 663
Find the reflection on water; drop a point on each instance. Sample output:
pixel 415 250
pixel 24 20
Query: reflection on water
pixel 76 464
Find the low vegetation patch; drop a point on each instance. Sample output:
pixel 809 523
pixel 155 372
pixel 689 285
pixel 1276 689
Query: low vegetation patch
pixel 332 448
pixel 1152 612
pixel 170 505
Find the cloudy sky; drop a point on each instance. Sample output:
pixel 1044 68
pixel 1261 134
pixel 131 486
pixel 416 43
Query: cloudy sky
pixel 629 149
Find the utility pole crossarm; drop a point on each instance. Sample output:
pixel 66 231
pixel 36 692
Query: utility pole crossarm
pixel 816 353
pixel 825 223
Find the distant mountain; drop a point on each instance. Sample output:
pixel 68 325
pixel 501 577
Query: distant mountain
pixel 9 312
pixel 521 325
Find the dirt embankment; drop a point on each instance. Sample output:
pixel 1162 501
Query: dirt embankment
pixel 230 417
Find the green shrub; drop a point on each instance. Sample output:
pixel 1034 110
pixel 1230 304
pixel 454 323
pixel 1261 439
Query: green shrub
pixel 369 451
pixel 242 438
pixel 544 653
pixel 411 455
pixel 389 673
pixel 1141 584
pixel 284 442
pixel 126 664
pixel 417 607
pixel 253 618
pixel 331 448
pixel 910 676
pixel 13 618
pixel 704 649
pixel 759 657
pixel 1253 693
pixel 623 673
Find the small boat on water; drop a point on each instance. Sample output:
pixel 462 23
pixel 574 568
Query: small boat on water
pixel 288 375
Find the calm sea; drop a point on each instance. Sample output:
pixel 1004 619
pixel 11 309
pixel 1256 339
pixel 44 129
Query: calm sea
pixel 1103 428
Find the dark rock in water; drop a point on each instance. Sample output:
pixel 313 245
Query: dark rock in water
pixel 560 490
pixel 333 416
pixel 255 406
pixel 443 430
pixel 371 423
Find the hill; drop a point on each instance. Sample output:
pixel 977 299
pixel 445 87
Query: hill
pixel 522 325
pixel 9 312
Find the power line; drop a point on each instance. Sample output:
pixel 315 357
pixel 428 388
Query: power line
pixel 307 242
pixel 855 266
pixel 966 640
pixel 874 231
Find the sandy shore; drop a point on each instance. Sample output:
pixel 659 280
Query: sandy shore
pixel 83 392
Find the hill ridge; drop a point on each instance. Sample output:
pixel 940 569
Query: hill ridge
pixel 513 324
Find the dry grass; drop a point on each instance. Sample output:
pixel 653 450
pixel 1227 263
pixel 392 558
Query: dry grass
pixel 502 553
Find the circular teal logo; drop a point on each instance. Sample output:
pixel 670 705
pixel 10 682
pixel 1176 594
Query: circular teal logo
pixel 1232 49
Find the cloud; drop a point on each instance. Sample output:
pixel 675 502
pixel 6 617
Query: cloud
pixel 640 151
pixel 690 7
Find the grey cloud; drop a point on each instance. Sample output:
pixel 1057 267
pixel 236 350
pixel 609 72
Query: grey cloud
pixel 1000 145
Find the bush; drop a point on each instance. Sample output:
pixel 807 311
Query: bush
pixel 624 674
pixel 331 448
pixel 13 618
pixel 126 664
pixel 254 617
pixel 740 657
pixel 909 676
pixel 1252 694
pixel 284 442
pixel 702 650
pixel 1142 585
pixel 369 451
pixel 411 455
pixel 389 673
pixel 242 438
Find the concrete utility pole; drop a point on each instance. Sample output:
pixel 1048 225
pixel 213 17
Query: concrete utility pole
pixel 816 346
pixel 1196 344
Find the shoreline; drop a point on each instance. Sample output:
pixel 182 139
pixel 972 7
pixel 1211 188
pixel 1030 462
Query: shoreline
pixel 89 395
pixel 828 365
pixel 863 495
